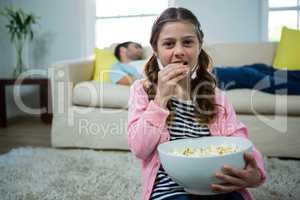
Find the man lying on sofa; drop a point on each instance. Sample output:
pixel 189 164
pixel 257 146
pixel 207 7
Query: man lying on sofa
pixel 123 72
pixel 254 76
pixel 283 77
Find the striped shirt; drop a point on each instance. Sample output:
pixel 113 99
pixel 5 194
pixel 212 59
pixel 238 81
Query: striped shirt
pixel 182 126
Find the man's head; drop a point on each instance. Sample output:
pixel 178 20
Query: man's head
pixel 128 51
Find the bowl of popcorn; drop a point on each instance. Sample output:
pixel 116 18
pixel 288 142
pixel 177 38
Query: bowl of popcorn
pixel 192 163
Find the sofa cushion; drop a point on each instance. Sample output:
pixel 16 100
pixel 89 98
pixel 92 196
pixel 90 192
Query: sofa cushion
pixel 103 63
pixel 95 94
pixel 238 54
pixel 287 54
pixel 247 101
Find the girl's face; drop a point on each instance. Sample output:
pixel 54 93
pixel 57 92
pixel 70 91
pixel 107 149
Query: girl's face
pixel 178 43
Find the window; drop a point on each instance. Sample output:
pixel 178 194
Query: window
pixel 282 13
pixel 131 20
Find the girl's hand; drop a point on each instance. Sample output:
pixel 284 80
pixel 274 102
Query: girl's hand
pixel 168 78
pixel 236 179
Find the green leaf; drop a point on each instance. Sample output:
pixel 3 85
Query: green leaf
pixel 19 21
pixel 11 14
pixel 27 21
pixel 19 24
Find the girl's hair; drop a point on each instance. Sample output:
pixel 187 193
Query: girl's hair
pixel 203 86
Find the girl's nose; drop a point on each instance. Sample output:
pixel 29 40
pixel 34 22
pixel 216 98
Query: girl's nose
pixel 179 51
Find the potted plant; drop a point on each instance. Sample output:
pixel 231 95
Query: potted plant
pixel 20 29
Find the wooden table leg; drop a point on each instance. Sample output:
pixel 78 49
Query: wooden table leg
pixel 46 115
pixel 3 119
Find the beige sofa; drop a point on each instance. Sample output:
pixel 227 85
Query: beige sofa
pixel 88 114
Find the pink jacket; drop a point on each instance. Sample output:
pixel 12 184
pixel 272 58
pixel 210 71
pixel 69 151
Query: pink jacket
pixel 147 128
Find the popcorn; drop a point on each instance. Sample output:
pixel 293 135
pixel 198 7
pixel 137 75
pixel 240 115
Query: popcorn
pixel 211 150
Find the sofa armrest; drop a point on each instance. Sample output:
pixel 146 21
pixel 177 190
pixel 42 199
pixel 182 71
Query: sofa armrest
pixel 74 71
pixel 64 76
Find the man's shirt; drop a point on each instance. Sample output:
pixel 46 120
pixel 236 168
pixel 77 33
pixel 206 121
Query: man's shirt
pixel 120 70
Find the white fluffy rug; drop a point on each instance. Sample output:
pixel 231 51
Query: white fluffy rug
pixel 41 173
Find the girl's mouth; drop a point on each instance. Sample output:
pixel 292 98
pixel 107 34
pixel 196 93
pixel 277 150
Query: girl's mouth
pixel 183 62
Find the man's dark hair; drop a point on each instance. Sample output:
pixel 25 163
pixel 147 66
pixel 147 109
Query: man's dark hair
pixel 117 49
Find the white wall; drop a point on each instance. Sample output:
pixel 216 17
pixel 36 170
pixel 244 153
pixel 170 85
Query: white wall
pixel 65 31
pixel 6 55
pixel 61 31
pixel 227 20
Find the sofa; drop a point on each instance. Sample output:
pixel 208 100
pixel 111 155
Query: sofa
pixel 90 114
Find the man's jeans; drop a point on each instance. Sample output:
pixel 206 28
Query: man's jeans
pixel 260 77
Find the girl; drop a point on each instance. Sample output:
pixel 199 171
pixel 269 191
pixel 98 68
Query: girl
pixel 179 100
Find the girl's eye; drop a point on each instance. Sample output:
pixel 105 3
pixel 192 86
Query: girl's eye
pixel 188 42
pixel 168 44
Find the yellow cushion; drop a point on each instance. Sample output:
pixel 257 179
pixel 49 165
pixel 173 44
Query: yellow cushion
pixel 103 64
pixel 288 50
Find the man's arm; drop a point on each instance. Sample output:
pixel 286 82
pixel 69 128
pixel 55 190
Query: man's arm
pixel 126 80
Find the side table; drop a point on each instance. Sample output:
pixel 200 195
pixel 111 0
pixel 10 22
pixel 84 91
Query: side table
pixel 44 96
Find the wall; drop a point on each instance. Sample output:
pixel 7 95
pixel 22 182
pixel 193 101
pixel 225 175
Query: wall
pixel 60 33
pixel 65 31
pixel 6 48
pixel 227 20
pixel 7 59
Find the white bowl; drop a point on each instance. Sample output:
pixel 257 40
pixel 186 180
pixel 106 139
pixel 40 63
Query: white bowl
pixel 196 174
